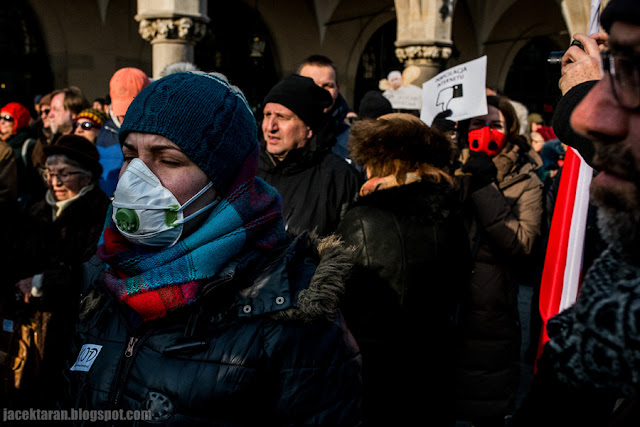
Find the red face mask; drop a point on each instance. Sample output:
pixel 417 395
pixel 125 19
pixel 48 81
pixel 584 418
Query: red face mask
pixel 486 140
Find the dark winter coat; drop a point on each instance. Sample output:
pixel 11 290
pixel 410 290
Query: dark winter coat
pixel 56 249
pixel 316 187
pixel 263 345
pixel 412 264
pixel 111 158
pixel 503 219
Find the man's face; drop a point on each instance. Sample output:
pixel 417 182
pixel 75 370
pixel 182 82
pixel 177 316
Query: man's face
pixel 61 120
pixel 283 130
pixel 395 79
pixel 325 77
pixel 615 132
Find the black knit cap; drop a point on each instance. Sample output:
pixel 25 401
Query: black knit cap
pixel 302 96
pixel 374 105
pixel 620 10
pixel 79 149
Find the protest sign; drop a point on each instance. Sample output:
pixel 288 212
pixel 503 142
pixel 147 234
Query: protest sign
pixel 461 89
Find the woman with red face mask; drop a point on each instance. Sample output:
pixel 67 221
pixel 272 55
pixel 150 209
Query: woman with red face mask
pixel 503 198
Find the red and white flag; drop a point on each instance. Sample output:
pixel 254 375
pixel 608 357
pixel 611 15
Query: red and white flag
pixel 562 273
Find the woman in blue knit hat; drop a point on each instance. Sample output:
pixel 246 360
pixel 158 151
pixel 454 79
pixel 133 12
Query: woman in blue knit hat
pixel 198 308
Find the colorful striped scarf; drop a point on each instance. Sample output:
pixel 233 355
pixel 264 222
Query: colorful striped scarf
pixel 155 282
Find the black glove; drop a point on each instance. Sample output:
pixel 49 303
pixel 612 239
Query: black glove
pixel 441 123
pixel 483 171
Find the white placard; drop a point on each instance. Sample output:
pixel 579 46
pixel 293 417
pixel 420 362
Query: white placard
pixel 88 354
pixel 461 89
pixel 405 97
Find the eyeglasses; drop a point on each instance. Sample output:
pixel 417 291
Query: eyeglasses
pixel 624 72
pixel 63 176
pixel 45 111
pixel 84 125
pixel 6 118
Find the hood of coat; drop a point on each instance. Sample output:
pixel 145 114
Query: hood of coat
pixel 304 283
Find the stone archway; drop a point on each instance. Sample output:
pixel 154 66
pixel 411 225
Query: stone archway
pixel 238 45
pixel 376 60
pixel 24 69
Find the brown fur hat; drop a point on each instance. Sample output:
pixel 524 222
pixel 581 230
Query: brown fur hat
pixel 399 137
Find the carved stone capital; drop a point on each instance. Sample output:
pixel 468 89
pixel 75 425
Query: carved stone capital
pixel 179 29
pixel 417 53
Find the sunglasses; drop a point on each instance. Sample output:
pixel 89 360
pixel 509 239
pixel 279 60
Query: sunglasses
pixel 45 112
pixel 6 118
pixel 84 125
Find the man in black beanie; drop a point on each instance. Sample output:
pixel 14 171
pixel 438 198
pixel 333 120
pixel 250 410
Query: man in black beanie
pixel 589 371
pixel 315 184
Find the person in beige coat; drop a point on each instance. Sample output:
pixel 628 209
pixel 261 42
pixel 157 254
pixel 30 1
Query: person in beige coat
pixel 503 204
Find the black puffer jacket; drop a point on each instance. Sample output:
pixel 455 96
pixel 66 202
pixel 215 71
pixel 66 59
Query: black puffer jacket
pixel 413 264
pixel 316 187
pixel 264 345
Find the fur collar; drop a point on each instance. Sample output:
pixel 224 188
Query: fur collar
pixel 420 200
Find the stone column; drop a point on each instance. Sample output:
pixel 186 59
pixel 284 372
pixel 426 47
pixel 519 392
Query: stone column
pixel 424 35
pixel 172 27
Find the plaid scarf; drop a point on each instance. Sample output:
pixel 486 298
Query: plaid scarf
pixel 154 282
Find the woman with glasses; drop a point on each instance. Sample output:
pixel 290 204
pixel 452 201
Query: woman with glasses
pixel 88 123
pixel 58 234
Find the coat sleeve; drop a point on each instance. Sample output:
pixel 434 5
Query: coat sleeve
pixel 8 177
pixel 352 232
pixel 512 223
pixel 319 376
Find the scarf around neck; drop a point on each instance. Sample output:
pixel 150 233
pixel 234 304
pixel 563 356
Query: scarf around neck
pixel 390 181
pixel 154 282
pixel 594 342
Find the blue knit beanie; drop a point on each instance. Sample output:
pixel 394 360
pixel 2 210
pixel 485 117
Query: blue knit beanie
pixel 204 115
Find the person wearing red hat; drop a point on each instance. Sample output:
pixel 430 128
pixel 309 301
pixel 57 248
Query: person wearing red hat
pixel 14 125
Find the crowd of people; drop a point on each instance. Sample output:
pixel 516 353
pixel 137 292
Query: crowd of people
pixel 165 251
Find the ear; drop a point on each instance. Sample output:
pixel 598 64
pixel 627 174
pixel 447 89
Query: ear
pixel 309 133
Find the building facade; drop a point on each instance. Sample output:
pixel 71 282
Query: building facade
pixel 49 44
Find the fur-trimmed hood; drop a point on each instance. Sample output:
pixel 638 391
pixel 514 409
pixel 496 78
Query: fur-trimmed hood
pixel 305 283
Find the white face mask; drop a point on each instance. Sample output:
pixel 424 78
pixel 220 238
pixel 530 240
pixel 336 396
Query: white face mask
pixel 147 213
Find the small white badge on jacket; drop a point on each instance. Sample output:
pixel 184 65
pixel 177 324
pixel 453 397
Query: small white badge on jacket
pixel 88 354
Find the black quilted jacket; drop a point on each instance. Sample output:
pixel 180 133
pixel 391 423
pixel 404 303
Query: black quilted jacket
pixel 264 345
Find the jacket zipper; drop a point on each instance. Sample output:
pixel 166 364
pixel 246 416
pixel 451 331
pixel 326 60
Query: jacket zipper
pixel 125 361
pixel 123 369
